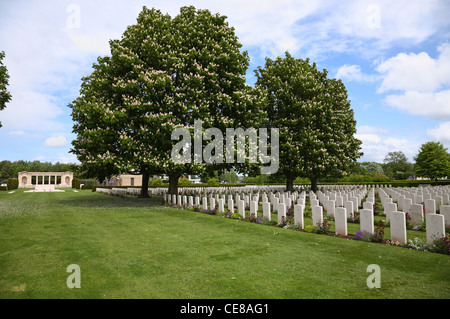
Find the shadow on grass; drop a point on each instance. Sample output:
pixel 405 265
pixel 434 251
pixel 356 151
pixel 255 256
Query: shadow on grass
pixel 102 201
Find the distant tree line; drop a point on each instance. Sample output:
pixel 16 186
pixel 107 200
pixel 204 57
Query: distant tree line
pixel 432 161
pixel 10 169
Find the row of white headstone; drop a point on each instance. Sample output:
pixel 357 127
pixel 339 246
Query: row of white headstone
pixel 340 204
pixel 420 205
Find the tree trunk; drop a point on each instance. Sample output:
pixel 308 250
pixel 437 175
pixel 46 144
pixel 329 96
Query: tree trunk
pixel 314 184
pixel 144 187
pixel 290 183
pixel 173 183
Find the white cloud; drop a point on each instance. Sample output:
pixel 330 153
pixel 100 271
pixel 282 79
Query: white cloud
pixel 17 133
pixel 440 133
pixel 56 141
pixel 368 27
pixel 66 158
pixel 423 83
pixel 416 72
pixel 378 142
pixel 353 73
pixel 373 138
pixel 433 105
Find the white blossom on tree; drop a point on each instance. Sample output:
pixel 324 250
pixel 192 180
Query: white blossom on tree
pixel 314 117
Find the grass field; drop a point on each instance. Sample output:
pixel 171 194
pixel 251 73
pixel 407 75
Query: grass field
pixel 136 248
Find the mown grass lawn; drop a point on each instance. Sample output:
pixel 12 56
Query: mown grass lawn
pixel 136 248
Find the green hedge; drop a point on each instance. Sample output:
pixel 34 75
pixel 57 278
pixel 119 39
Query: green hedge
pixel 13 183
pixel 405 183
pixel 3 188
pixel 76 183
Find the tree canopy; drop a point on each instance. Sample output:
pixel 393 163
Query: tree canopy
pixel 5 95
pixel 432 161
pixel 314 116
pixel 162 74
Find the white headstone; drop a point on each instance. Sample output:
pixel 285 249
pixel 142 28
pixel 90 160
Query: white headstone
pixel 366 220
pixel 281 213
pixel 445 211
pixel 416 214
pixel 368 205
pixel 205 202
pixel 388 209
pixel 341 221
pixel 221 205
pixel 253 209
pixel 266 211
pixel 231 205
pixel 407 202
pixel 241 208
pixel 298 215
pixel 317 216
pixel 435 227
pixel 348 205
pixel 398 227
pixel 430 206
pixel 331 208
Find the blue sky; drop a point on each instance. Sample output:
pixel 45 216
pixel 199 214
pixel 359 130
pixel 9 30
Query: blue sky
pixel 393 56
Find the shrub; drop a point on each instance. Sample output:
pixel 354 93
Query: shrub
pixel 12 183
pixel 88 182
pixel 416 244
pixel 379 232
pixel 324 228
pixel 157 182
pixel 213 182
pixel 235 216
pixel 310 229
pixel 364 236
pixel 264 221
pixel 76 183
pixel 441 245
pixel 3 188
pixel 209 211
pixel 184 181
